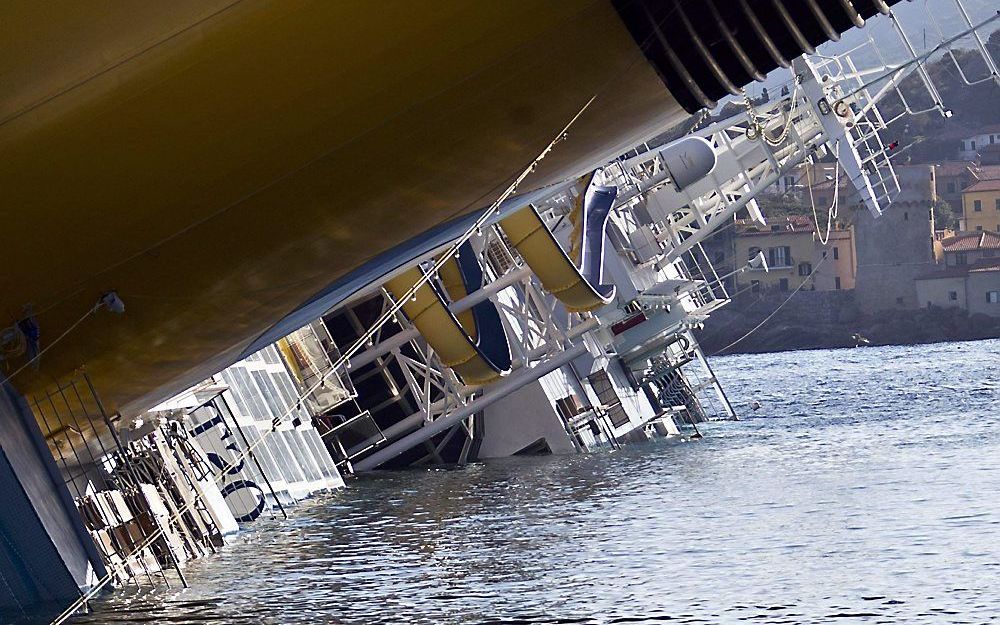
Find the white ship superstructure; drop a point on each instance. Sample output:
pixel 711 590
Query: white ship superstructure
pixel 559 321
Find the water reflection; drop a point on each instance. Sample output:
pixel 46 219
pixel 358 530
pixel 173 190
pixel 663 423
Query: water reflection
pixel 865 490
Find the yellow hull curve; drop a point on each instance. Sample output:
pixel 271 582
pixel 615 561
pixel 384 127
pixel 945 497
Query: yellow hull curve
pixel 442 330
pixel 218 163
pixel 546 258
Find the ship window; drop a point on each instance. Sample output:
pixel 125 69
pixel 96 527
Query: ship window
pixel 606 394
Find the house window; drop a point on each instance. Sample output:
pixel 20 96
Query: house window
pixel 805 269
pixel 899 301
pixel 961 258
pixel 906 216
pixel 951 187
pixel 996 202
pixel 991 139
pixel 993 297
pixel 836 253
pixel 953 296
pixel 783 284
pixel 977 205
pixel 836 283
pixel 780 256
pixel 755 286
pixel 979 227
pixel 972 145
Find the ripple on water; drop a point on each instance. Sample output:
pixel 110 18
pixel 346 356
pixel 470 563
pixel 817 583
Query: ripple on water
pixel 863 491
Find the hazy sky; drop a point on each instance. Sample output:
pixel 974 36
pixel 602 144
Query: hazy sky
pixel 920 19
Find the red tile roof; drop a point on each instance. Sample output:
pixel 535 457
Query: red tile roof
pixel 982 266
pixel 945 272
pixel 986 172
pixel 793 224
pixel 953 168
pixel 983 185
pixel 971 241
pixel 987 130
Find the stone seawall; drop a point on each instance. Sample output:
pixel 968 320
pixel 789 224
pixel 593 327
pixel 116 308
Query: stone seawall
pixel 828 319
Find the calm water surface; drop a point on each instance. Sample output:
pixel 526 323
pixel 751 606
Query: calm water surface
pixel 864 490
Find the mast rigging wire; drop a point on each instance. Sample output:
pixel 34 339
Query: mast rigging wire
pixel 388 315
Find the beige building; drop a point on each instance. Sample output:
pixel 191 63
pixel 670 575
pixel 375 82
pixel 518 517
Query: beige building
pixel 975 288
pixel 969 277
pixel 794 255
pixel 981 207
pixel 839 269
pixel 969 248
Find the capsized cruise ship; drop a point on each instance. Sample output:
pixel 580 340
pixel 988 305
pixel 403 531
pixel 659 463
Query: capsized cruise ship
pixel 255 246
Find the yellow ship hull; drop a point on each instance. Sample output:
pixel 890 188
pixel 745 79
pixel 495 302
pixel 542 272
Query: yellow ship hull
pixel 220 163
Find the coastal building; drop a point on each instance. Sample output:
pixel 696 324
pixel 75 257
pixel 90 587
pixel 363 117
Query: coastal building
pixel 795 255
pixel 981 206
pixel 558 319
pixel 898 246
pixel 838 272
pixel 788 248
pixel 798 179
pixel 975 288
pixel 972 144
pixel 950 178
pixel 968 248
pixel 990 155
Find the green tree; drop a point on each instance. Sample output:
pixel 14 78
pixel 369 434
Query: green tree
pixel 944 216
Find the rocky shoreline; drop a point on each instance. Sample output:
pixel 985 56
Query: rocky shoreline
pixel 795 328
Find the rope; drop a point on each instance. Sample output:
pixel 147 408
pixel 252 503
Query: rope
pixel 355 348
pixel 832 211
pixel 775 311
pixel 76 323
